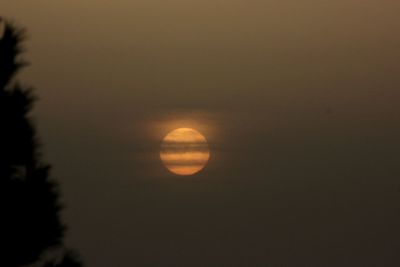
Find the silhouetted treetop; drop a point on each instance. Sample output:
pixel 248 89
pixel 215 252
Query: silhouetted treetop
pixel 30 224
pixel 10 49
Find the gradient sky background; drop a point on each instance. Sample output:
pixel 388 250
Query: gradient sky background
pixel 300 103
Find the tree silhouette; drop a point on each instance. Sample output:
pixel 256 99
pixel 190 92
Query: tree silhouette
pixel 30 226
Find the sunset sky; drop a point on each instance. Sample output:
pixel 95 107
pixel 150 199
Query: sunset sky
pixel 299 102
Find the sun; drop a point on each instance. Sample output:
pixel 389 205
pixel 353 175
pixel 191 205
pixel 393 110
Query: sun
pixel 184 151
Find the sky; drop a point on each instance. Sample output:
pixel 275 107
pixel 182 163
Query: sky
pixel 299 101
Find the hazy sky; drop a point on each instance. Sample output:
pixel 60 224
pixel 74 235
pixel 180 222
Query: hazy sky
pixel 298 99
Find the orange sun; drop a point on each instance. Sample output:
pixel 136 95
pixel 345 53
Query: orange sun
pixel 184 151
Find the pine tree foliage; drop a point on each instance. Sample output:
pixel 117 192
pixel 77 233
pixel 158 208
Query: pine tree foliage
pixel 29 200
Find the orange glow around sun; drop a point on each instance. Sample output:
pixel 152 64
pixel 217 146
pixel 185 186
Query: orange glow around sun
pixel 184 151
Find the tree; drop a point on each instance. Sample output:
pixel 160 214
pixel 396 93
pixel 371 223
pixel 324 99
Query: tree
pixel 30 225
